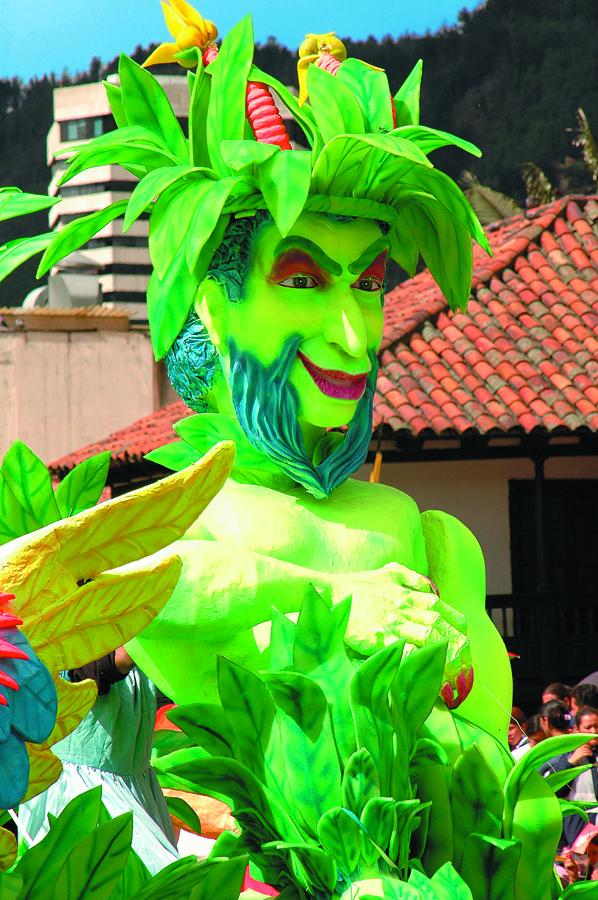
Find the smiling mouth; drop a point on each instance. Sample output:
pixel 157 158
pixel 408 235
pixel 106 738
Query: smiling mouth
pixel 334 383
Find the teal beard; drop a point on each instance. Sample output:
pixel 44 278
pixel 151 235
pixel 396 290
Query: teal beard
pixel 267 407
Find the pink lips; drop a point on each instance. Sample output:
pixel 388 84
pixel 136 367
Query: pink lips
pixel 334 383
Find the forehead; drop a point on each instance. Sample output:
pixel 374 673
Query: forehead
pixel 589 720
pixel 344 241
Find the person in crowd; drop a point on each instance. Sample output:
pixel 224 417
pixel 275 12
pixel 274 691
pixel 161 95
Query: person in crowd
pixel 557 691
pixel 534 732
pixel 580 861
pixel 111 747
pixel 584 786
pixel 554 719
pixel 583 695
pixel 518 739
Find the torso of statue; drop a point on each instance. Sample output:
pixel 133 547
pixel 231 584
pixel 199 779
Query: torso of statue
pixel 361 527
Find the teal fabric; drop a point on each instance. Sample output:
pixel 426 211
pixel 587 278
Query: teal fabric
pixel 111 748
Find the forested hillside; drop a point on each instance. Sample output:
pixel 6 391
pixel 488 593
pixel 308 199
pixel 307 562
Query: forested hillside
pixel 509 77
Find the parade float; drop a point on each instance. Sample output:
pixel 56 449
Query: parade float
pixel 338 681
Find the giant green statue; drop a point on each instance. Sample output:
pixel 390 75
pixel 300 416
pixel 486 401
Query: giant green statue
pixel 266 301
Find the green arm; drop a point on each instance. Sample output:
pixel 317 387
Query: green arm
pixel 223 605
pixel 456 566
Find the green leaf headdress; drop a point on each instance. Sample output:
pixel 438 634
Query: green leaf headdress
pixel 367 157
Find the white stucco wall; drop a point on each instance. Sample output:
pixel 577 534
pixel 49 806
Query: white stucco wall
pixel 478 494
pixel 62 390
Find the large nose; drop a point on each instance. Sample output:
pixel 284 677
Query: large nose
pixel 345 325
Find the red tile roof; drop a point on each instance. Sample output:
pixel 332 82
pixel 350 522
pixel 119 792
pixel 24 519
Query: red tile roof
pixel 130 444
pixel 523 357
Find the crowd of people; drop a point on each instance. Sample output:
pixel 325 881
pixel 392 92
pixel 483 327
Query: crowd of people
pixel 567 710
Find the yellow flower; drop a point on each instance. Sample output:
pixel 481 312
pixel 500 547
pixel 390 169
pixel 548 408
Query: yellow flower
pixel 188 28
pixel 311 50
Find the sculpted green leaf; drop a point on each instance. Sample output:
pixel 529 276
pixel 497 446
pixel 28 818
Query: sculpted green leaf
pixel 369 693
pixel 16 252
pixel 490 866
pixel 341 837
pixel 299 697
pixel 360 781
pixel 96 863
pixel 285 182
pixel 247 704
pixel 40 866
pixel 130 146
pixel 184 813
pixel 334 106
pixel 14 202
pixel 312 867
pixel 220 878
pixel 319 651
pixel 528 765
pixel 114 94
pixel 29 481
pixel 176 456
pixel 145 103
pixel 77 233
pixel 279 654
pixel 445 246
pixel 83 486
pixel 154 184
pixel 415 692
pixel 245 154
pixel 371 89
pixel 199 92
pixel 207 725
pixel 477 800
pixel 169 300
pixel 406 99
pixel 226 110
pixel 206 213
pixel 429 139
pixel 558 780
pixel 303 762
pixel 229 780
pixel 449 885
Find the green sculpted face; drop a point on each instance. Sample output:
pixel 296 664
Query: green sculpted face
pixel 322 284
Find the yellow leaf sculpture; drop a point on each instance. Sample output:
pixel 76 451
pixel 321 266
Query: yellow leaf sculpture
pixel 88 584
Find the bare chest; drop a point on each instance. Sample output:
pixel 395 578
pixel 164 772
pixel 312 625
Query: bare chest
pixel 359 528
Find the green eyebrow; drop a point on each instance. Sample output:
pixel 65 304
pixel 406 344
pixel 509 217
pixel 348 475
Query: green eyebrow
pixel 300 243
pixel 369 255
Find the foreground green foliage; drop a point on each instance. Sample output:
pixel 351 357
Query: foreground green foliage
pixel 343 771
pixel 28 500
pixel 87 854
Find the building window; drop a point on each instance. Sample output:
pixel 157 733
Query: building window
pixel 83 129
pixel 78 190
pixel 570 535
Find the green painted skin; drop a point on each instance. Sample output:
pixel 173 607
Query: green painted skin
pixel 260 545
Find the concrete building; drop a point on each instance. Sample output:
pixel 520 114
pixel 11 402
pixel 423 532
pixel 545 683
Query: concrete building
pixel 68 376
pixel 112 268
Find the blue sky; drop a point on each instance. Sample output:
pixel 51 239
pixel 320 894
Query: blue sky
pixel 42 36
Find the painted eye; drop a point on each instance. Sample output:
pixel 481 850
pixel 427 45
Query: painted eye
pixel 299 281
pixel 368 283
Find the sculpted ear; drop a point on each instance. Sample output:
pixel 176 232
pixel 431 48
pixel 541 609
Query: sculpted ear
pixel 211 305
